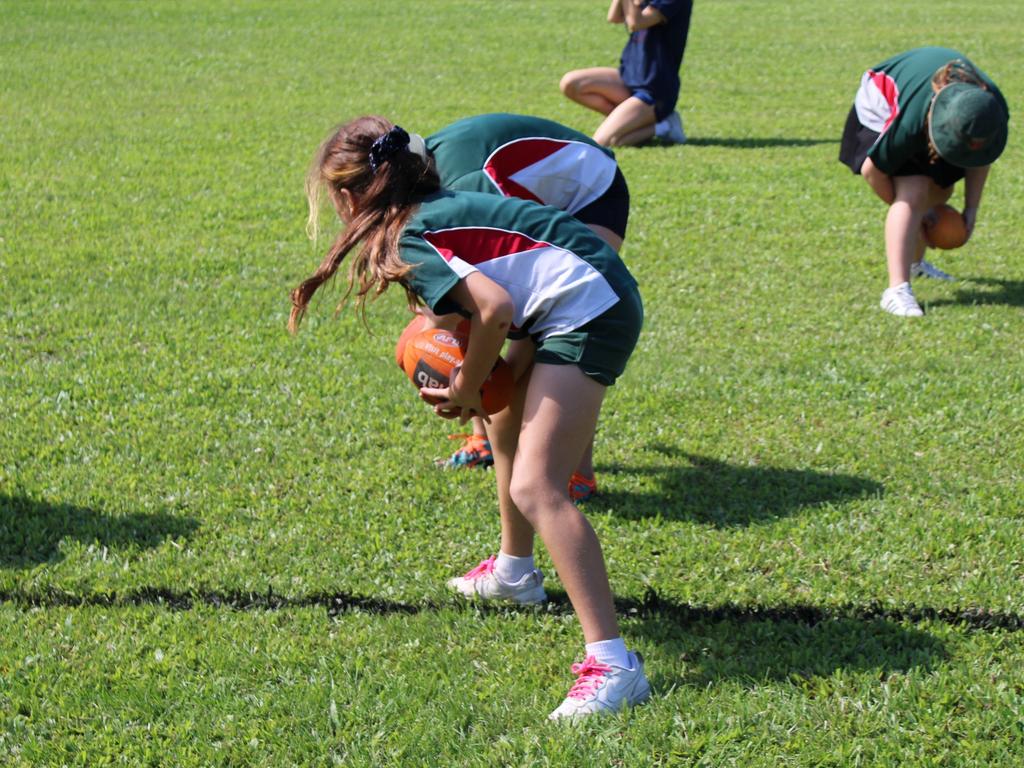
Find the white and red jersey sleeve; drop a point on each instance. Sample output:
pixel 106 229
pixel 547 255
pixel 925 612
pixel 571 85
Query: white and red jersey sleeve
pixel 877 101
pixel 558 273
pixel 568 175
pixel 553 289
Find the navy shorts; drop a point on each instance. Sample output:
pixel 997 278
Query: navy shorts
pixel 857 140
pixel 610 210
pixel 662 107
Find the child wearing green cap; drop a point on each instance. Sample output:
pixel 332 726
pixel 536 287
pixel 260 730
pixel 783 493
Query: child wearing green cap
pixel 921 121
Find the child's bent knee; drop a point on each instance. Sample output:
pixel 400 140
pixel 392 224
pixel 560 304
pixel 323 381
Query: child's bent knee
pixel 569 84
pixel 533 496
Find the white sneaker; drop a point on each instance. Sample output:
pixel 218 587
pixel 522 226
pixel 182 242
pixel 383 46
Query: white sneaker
pixel 900 301
pixel 671 129
pixel 484 583
pixel 925 268
pixel 603 689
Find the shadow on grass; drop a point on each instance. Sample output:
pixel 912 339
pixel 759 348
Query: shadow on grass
pixel 801 643
pixel 994 291
pixel 745 143
pixel 31 531
pixel 725 495
pixel 798 642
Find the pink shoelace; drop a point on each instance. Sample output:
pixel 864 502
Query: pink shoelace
pixel 485 567
pixel 591 672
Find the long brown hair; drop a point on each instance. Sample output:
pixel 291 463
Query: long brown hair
pixel 388 191
pixel 956 71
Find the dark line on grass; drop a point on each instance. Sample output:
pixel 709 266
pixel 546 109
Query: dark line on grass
pixel 755 143
pixel 187 600
pixel 810 615
pixel 651 605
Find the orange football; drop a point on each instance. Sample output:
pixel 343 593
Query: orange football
pixel 431 356
pixel 947 230
pixel 415 326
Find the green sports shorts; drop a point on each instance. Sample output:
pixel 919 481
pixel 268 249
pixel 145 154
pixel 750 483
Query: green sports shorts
pixel 601 347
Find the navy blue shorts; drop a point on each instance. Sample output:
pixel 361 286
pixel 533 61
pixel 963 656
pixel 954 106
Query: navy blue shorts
pixel 662 107
pixel 650 62
pixel 610 210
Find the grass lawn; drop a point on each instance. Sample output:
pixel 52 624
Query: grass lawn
pixel 222 545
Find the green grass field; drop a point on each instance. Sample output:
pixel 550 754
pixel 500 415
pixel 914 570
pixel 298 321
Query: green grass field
pixel 221 545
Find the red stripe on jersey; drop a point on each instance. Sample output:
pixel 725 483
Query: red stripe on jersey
pixel 887 87
pixel 476 245
pixel 511 158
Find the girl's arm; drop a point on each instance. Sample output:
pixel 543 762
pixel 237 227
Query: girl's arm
pixel 615 12
pixel 974 184
pixel 491 312
pixel 641 16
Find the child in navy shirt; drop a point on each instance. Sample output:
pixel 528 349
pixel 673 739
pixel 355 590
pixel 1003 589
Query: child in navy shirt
pixel 639 98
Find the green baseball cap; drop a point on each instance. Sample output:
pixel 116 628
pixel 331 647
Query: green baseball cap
pixel 968 125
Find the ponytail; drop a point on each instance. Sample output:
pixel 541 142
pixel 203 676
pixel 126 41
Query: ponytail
pixel 388 171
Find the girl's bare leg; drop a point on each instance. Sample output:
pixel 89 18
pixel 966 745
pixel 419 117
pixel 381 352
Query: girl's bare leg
pixel 558 420
pixel 503 432
pixel 608 235
pixel 914 196
pixel 879 181
pixel 628 120
pixel 630 123
pixel 597 88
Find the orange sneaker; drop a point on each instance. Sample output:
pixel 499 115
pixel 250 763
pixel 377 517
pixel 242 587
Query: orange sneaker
pixel 581 488
pixel 475 452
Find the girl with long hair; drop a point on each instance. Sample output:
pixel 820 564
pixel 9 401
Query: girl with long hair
pixel 515 269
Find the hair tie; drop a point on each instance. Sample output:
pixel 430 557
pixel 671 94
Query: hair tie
pixel 386 145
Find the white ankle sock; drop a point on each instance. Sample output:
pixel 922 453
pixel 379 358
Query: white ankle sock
pixel 511 569
pixel 611 652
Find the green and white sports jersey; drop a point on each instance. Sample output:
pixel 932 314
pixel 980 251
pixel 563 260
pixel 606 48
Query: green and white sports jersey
pixel 522 156
pixel 559 274
pixel 894 99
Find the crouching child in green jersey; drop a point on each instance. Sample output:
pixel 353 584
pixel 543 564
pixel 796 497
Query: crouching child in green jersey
pixel 922 121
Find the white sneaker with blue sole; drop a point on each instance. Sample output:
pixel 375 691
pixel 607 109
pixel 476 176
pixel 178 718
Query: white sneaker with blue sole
pixel 671 129
pixel 925 268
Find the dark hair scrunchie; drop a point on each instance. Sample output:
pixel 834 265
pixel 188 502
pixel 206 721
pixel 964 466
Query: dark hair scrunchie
pixel 387 145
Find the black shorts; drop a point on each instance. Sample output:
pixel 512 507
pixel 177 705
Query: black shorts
pixel 610 210
pixel 858 139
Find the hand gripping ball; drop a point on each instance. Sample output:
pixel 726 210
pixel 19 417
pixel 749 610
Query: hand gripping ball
pixel 431 356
